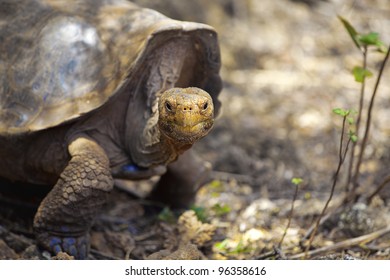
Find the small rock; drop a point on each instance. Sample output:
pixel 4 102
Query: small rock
pixel 6 253
pixel 30 253
pixel 253 235
pixel 62 256
pixel 184 252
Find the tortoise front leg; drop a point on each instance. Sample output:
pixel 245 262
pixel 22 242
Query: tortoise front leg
pixel 65 215
pixel 178 186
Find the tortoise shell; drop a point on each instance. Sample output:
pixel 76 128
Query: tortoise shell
pixel 60 59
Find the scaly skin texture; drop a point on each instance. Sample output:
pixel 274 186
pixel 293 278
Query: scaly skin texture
pixel 65 215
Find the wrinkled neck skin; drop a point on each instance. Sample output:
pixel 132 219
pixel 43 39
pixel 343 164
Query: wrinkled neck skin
pixel 136 125
pixel 146 145
pixel 176 147
pixel 127 130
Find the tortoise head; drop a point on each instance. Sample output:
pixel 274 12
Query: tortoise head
pixel 185 115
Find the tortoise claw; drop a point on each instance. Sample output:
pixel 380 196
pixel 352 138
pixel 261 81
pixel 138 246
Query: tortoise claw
pixel 73 246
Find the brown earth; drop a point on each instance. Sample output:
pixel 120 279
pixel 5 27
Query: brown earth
pixel 286 65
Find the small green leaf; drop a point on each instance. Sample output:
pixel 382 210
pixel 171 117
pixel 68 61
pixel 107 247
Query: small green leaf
pixel 221 245
pixel 241 248
pixel 221 210
pixel 350 120
pixel 351 31
pixel 370 39
pixel 341 112
pixel 307 195
pixel 215 184
pixel 200 212
pixel 361 73
pixel 352 136
pixel 381 47
pixel 296 181
pixel 338 111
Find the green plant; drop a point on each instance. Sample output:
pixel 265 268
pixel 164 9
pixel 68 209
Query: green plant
pixel 221 209
pixel 231 247
pixel 363 42
pixel 296 182
pixel 200 212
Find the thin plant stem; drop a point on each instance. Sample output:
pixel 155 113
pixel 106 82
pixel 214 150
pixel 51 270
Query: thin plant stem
pixel 378 189
pixel 368 123
pixel 342 139
pixel 290 215
pixel 358 120
pixel 335 179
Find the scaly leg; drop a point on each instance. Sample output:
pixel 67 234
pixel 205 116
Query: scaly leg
pixel 65 215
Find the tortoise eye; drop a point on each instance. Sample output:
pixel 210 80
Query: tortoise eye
pixel 205 106
pixel 168 106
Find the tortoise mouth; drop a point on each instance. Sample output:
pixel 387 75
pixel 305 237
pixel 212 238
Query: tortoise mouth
pixel 186 134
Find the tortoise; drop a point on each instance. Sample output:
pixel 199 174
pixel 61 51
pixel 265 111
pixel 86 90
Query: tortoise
pixel 95 90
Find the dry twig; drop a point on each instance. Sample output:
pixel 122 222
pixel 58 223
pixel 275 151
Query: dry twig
pixel 343 244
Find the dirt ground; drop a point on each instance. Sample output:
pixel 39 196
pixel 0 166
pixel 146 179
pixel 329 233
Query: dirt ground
pixel 285 65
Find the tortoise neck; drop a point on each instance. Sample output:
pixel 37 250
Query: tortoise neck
pixel 177 147
pixel 160 153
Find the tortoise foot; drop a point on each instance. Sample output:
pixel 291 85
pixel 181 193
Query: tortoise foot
pixel 73 246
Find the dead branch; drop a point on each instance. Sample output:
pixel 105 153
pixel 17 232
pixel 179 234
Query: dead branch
pixel 343 244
